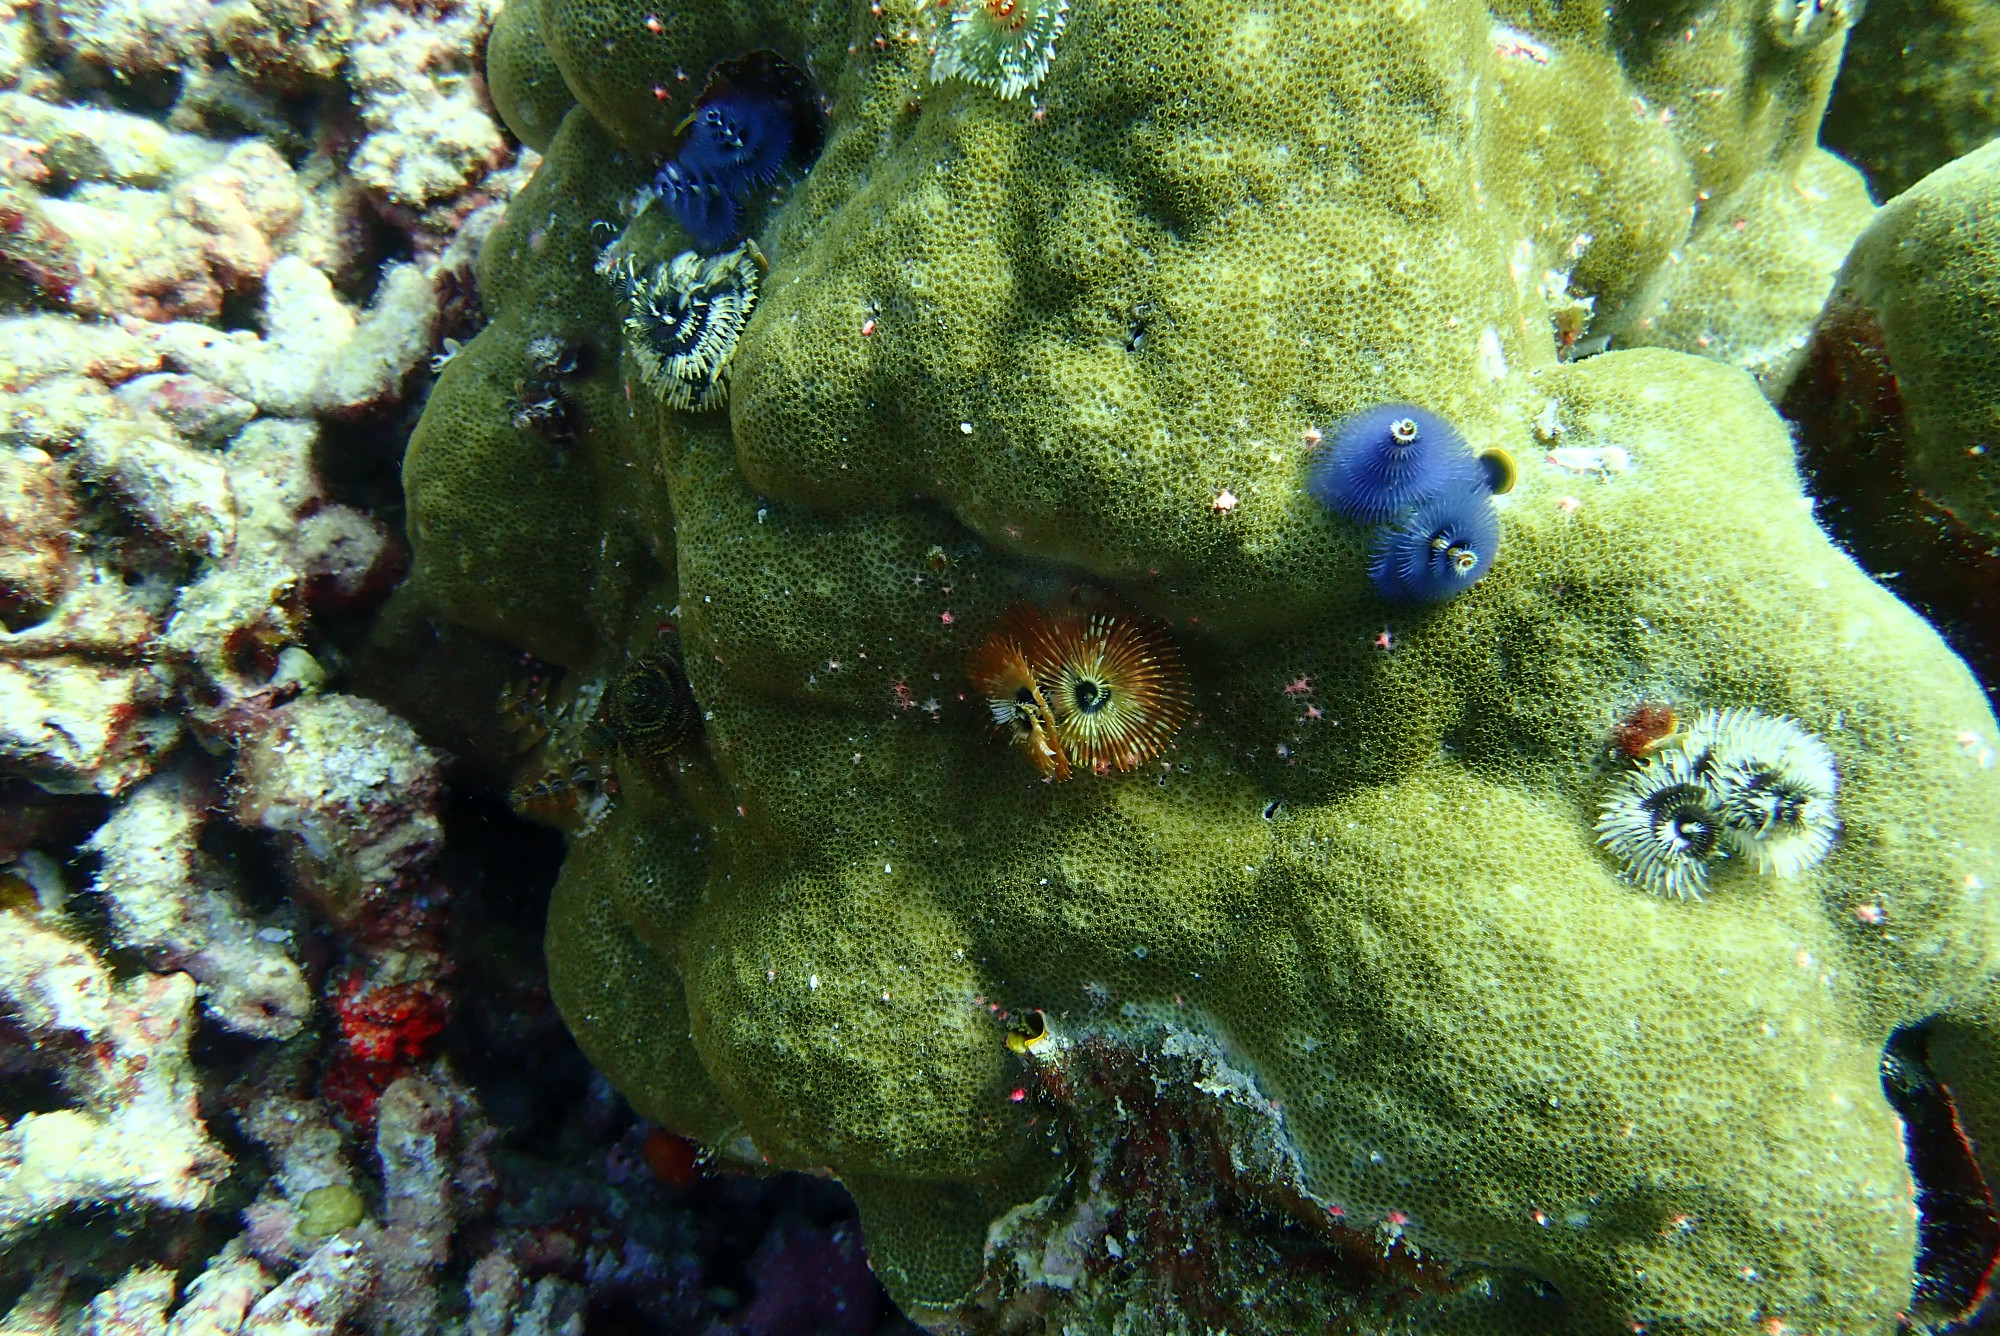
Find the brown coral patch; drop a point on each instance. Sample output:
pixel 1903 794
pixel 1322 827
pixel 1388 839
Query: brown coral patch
pixel 1644 728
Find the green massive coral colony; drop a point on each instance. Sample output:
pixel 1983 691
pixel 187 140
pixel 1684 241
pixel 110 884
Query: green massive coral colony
pixel 993 778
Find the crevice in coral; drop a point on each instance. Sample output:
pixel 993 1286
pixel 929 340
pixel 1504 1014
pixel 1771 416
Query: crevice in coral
pixel 1958 1229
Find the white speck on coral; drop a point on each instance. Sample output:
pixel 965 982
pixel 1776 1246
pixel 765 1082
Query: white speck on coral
pixel 1604 461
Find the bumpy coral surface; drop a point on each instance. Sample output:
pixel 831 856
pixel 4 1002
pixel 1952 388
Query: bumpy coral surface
pixel 1418 1055
pixel 1899 405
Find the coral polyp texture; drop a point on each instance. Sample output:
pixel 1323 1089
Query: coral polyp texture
pixel 1342 1004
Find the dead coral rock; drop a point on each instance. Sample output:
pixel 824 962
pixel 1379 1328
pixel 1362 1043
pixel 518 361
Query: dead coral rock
pixel 17 39
pixel 132 35
pixel 76 726
pixel 343 557
pixel 37 518
pixel 135 1306
pixel 352 795
pixel 195 408
pixel 239 208
pixel 413 1140
pixel 318 1298
pixel 95 145
pixel 390 339
pixel 103 613
pixel 499 1305
pixel 36 347
pixel 177 906
pixel 235 629
pixel 348 561
pixel 119 250
pixel 132 1135
pixel 82 143
pixel 316 354
pixel 285 43
pixel 53 414
pixel 308 1162
pixel 431 131
pixel 229 633
pixel 277 482
pixel 182 494
pixel 221 1296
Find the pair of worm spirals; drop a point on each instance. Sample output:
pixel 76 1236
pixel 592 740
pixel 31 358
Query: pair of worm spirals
pixel 1098 690
pixel 1736 783
pixel 1408 470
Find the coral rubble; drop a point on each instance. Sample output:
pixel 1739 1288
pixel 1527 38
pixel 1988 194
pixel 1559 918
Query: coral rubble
pixel 221 919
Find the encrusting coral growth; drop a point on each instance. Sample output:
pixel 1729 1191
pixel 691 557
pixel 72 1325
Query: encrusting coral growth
pixel 1424 942
pixel 1084 330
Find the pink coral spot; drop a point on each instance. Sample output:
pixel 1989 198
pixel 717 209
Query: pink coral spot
pixel 945 616
pixel 1225 502
pixel 868 327
pixel 1300 686
pixel 1871 914
pixel 653 24
pixel 1385 639
pixel 1018 1095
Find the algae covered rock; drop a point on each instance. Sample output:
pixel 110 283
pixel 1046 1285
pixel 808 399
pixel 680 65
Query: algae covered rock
pixel 1336 999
